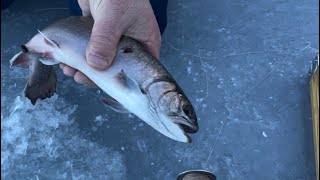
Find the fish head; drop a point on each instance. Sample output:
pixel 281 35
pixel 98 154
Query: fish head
pixel 178 114
pixel 181 111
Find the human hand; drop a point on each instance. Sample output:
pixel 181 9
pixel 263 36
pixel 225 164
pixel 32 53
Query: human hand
pixel 113 18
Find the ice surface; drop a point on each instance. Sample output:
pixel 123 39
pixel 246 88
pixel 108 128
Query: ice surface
pixel 244 72
pixel 43 142
pixel 99 120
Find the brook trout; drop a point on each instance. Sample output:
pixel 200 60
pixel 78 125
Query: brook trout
pixel 136 81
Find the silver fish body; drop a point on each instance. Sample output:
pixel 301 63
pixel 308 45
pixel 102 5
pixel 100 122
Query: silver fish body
pixel 137 82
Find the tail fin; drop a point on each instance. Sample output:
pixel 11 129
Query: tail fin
pixel 42 82
pixel 42 78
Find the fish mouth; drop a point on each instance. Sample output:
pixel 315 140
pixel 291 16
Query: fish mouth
pixel 177 127
pixel 186 125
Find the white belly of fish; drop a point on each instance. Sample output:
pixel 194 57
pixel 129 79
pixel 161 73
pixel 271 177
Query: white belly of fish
pixel 134 101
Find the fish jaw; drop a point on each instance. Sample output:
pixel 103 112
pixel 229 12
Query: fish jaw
pixel 139 105
pixel 172 130
pixel 162 123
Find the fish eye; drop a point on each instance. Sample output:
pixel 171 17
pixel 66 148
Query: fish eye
pixel 188 110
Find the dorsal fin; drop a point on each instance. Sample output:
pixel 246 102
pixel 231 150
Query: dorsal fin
pixel 47 40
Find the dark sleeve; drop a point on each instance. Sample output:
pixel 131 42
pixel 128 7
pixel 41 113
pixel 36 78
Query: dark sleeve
pixel 5 3
pixel 159 8
pixel 160 11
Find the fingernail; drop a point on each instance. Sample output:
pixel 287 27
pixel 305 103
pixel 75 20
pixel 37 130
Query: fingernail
pixel 98 62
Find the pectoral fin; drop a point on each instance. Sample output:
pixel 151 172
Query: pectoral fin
pixel 48 41
pixel 128 82
pixel 114 105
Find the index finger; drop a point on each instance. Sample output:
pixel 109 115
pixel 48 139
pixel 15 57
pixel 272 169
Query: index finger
pixel 85 7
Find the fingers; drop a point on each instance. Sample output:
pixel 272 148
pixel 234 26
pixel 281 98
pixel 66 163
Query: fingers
pixel 68 71
pixel 78 76
pixel 151 41
pixel 150 36
pixel 154 43
pixel 103 43
pixel 85 7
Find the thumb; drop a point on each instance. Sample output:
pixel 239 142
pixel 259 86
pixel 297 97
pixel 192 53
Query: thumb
pixel 102 44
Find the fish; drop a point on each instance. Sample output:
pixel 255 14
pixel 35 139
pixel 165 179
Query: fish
pixel 136 82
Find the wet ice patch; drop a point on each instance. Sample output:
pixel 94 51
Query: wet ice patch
pixel 206 67
pixel 142 145
pixel 99 120
pixel 189 69
pixel 220 83
pixel 225 167
pixel 264 134
pixel 43 142
pixel 235 82
pixel 131 116
pixel 221 29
